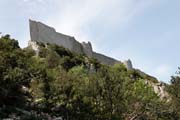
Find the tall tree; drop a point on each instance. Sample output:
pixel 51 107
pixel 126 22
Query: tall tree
pixel 174 90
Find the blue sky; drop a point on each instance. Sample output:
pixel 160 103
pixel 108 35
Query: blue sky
pixel 145 31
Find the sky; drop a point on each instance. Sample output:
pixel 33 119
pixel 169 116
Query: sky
pixel 145 31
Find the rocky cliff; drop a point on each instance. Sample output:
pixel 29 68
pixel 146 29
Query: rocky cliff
pixel 40 32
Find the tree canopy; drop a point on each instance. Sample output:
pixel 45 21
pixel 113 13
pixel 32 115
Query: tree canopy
pixel 60 83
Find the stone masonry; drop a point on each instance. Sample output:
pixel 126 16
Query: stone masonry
pixel 40 32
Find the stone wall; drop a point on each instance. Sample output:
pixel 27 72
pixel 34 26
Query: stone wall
pixel 104 59
pixel 40 32
pixel 87 48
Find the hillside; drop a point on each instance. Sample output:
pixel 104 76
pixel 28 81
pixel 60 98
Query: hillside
pixel 60 84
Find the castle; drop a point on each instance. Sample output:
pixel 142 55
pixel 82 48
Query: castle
pixel 40 32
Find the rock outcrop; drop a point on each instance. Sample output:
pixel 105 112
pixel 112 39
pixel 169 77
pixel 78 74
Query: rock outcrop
pixel 159 89
pixel 40 32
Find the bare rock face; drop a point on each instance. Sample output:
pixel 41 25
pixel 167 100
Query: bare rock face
pixel 34 46
pixel 159 89
pixel 40 32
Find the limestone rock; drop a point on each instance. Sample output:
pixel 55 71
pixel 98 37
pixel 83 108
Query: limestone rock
pixel 33 45
pixel 159 89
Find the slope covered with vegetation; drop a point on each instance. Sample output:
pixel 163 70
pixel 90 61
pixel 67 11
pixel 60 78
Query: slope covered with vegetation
pixel 59 83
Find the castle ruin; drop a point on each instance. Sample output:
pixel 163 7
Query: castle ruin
pixel 40 32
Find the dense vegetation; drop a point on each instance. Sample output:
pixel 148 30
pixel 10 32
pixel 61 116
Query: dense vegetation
pixel 59 83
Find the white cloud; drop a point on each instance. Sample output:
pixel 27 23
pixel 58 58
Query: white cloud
pixel 73 17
